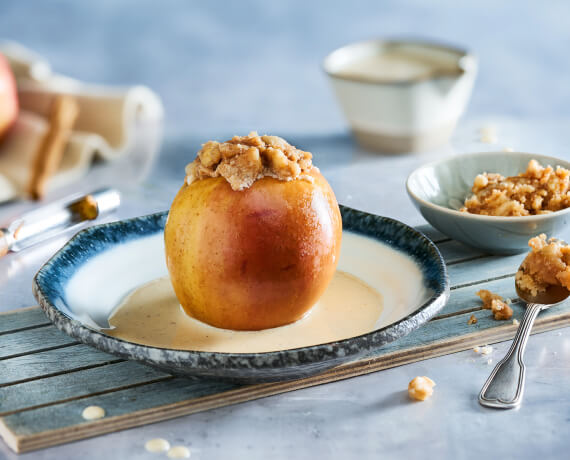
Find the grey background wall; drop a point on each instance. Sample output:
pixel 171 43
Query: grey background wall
pixel 235 66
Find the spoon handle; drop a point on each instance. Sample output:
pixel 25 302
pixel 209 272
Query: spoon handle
pixel 505 386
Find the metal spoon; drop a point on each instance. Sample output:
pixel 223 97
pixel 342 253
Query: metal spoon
pixel 505 386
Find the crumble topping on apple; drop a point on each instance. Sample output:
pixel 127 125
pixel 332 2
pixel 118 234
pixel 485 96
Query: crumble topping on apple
pixel 244 159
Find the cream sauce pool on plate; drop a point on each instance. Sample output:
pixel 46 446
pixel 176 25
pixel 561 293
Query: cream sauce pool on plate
pixel 152 316
pixel 374 286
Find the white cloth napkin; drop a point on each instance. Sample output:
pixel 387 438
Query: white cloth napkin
pixel 104 128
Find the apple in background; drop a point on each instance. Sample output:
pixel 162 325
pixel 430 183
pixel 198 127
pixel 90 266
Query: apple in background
pixel 253 259
pixel 8 97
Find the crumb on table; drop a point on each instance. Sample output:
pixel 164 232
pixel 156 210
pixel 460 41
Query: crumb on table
pixel 156 445
pixel 420 388
pixel 472 320
pixel 178 452
pixel 488 134
pixel 484 350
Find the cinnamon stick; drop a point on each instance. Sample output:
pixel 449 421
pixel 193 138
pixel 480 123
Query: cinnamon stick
pixel 63 113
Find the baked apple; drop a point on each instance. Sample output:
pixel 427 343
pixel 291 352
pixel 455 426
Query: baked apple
pixel 253 236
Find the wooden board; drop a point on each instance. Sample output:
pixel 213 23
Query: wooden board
pixel 47 379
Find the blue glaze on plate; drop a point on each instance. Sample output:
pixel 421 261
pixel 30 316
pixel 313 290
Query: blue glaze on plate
pixel 53 288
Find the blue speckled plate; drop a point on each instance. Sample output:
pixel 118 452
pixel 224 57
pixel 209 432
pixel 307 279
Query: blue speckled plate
pixel 80 286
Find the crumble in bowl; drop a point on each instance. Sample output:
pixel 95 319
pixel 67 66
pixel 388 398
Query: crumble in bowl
pixel 539 190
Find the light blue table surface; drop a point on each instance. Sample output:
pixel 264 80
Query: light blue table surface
pixel 225 68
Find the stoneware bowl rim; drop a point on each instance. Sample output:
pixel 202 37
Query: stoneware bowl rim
pixel 464 58
pixel 477 217
pixel 201 363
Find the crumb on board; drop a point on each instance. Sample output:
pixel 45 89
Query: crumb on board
pixel 93 413
pixel 420 388
pixel 487 297
pixel 516 322
pixel 501 311
pixel 494 302
pixel 472 320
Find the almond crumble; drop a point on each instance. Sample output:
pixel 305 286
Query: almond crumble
pixel 496 304
pixel 501 311
pixel 421 388
pixel 244 159
pixel 539 190
pixel 547 264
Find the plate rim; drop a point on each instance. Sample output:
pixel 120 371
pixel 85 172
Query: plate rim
pixel 279 359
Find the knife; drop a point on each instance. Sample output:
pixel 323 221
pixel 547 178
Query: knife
pixel 44 223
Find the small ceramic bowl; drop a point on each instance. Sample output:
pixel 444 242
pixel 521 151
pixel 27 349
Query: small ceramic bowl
pixel 439 189
pixel 399 110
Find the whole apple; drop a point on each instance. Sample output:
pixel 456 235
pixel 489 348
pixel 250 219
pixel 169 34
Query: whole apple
pixel 8 97
pixel 252 259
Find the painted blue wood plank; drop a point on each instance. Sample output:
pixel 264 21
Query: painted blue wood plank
pixel 432 233
pixel 117 403
pixel 465 298
pixel 51 362
pixel 483 269
pixel 32 340
pixel 21 319
pixel 454 326
pixel 176 390
pixel 78 384
pixel 454 251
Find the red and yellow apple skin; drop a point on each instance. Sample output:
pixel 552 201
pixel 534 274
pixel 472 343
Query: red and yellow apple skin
pixel 252 259
pixel 8 97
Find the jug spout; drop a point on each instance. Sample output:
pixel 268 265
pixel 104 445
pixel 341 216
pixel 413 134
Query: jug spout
pixel 446 79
